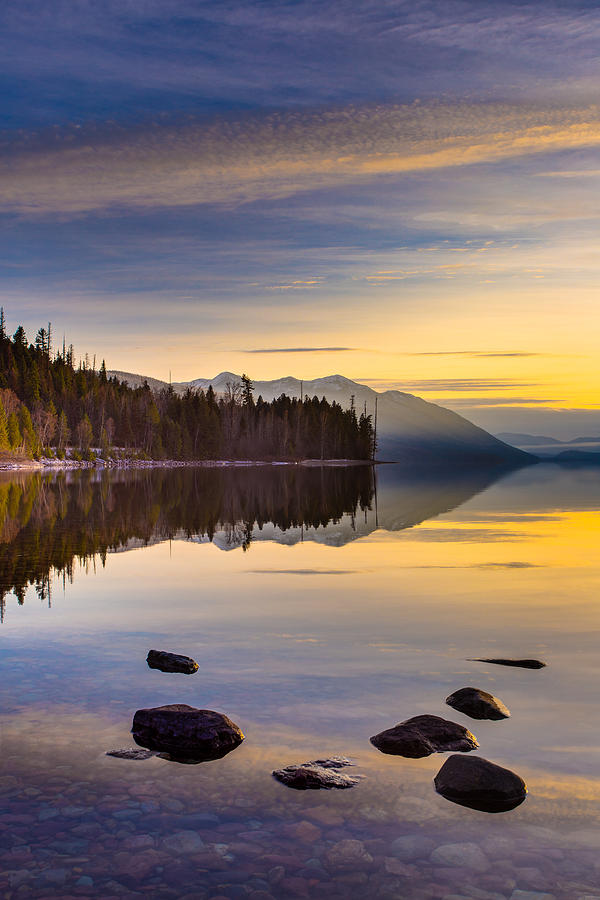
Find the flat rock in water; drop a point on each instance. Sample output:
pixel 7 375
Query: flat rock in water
pixel 332 762
pixel 171 662
pixel 518 663
pixel 478 704
pixel 480 784
pixel 424 735
pixel 185 732
pixel 318 774
pixel 131 753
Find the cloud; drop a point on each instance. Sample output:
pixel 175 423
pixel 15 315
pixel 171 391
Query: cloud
pixel 489 565
pixel 302 350
pixel 305 571
pixel 478 354
pixel 482 402
pixel 573 173
pixel 296 285
pixel 461 384
pixel 198 51
pixel 232 161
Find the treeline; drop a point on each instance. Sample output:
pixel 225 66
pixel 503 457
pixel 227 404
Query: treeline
pixel 50 405
pixel 50 522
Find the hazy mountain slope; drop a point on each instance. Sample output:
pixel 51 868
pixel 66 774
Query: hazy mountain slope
pixel 409 429
pixel 135 381
pixel 551 448
pixel 526 440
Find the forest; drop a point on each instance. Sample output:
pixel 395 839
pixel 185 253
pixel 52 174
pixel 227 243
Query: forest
pixel 52 407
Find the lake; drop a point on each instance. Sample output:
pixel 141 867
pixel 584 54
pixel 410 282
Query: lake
pixel 323 605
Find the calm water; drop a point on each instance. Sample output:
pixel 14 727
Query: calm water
pixel 320 611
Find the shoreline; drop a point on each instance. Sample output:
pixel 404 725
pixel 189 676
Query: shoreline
pixel 61 465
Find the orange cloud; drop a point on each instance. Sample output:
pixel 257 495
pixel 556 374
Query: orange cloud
pixel 274 156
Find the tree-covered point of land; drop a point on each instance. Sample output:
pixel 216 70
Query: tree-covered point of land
pixel 47 401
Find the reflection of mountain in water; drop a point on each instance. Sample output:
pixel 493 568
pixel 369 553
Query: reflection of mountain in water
pixel 402 499
pixel 48 522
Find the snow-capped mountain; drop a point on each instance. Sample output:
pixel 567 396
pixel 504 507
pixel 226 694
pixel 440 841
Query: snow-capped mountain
pixel 409 429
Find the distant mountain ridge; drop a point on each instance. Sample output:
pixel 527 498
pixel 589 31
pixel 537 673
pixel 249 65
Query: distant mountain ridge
pixel 577 450
pixel 409 429
pixel 518 439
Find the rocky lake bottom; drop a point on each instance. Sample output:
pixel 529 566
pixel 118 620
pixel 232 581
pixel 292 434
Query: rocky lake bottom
pixel 320 614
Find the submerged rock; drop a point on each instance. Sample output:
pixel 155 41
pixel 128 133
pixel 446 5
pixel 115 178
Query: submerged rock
pixel 317 774
pixel 424 735
pixel 171 662
pixel 480 784
pixel 131 753
pixel 519 663
pixel 478 704
pixel 465 855
pixel 409 847
pixel 186 733
pixel 348 854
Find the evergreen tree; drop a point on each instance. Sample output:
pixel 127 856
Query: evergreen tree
pixel 30 439
pixel 20 338
pixel 247 388
pixel 4 440
pixel 15 438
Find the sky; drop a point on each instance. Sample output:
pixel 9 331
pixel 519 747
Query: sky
pixel 405 193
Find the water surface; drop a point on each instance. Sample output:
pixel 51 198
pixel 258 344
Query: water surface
pixel 322 607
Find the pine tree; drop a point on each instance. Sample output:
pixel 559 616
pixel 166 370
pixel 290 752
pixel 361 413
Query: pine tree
pixel 28 431
pixel 247 388
pixel 4 441
pixel 20 338
pixel 15 438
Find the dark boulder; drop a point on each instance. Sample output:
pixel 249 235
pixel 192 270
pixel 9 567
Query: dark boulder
pixel 480 784
pixel 171 662
pixel 478 704
pixel 131 753
pixel 318 774
pixel 184 732
pixel 424 735
pixel 518 663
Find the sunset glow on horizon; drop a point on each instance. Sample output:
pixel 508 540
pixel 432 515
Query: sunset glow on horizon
pixel 403 193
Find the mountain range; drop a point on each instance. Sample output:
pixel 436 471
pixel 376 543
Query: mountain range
pixel 578 449
pixel 409 429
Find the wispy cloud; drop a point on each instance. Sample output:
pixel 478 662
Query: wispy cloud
pixel 571 173
pixel 489 565
pixel 482 402
pixel 462 384
pixel 305 571
pixel 75 170
pixel 301 350
pixel 296 285
pixel 479 354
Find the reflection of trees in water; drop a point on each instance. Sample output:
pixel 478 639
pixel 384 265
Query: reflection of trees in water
pixel 50 522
